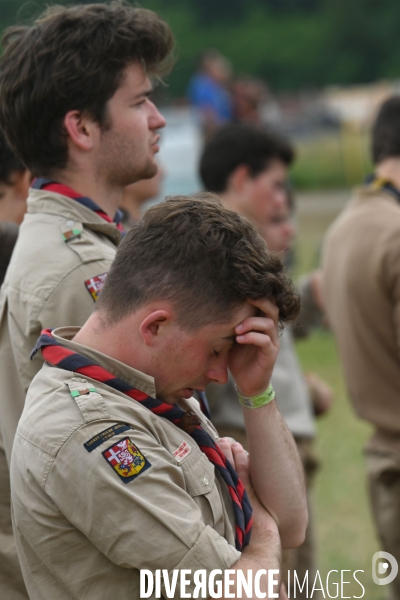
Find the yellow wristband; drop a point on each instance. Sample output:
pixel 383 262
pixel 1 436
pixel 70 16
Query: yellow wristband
pixel 257 401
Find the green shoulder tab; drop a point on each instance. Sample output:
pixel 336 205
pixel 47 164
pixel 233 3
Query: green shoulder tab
pixel 75 393
pixel 71 230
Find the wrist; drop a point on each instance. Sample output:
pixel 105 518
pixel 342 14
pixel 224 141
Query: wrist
pixel 256 401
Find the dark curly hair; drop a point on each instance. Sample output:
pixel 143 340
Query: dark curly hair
pixel 72 59
pixel 204 258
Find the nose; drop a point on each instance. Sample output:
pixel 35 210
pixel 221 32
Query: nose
pixel 218 371
pixel 156 120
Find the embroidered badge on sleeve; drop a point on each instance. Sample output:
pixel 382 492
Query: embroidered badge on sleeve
pixel 105 435
pixel 94 285
pixel 126 459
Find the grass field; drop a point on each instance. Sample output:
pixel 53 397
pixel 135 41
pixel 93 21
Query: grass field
pixel 334 159
pixel 345 534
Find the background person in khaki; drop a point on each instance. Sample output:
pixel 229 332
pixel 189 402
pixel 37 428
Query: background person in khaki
pixel 106 486
pixel 97 134
pixel 248 166
pixel 362 295
pixel 14 184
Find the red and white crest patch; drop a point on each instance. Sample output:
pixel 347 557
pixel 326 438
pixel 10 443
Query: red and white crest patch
pixel 126 460
pixel 94 285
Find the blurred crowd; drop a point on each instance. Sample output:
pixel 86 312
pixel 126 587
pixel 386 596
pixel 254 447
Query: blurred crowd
pixel 219 98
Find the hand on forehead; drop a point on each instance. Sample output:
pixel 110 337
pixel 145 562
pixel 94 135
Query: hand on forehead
pixel 264 307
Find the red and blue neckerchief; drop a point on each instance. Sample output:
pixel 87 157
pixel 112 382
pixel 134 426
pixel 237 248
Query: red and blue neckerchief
pixel 40 183
pixel 380 183
pixel 56 354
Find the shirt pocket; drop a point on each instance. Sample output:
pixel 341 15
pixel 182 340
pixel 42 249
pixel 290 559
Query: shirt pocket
pixel 199 476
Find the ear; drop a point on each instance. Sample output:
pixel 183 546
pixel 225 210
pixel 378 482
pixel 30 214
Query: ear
pixel 81 129
pixel 238 178
pixel 153 326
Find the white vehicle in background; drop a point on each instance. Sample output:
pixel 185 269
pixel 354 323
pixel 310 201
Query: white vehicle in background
pixel 180 148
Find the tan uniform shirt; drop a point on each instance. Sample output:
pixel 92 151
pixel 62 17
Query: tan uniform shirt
pixel 82 530
pixel 44 287
pixel 362 295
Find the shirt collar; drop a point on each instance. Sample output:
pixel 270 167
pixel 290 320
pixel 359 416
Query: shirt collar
pixel 46 202
pixel 41 183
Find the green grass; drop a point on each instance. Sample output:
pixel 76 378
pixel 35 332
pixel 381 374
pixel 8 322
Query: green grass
pixel 345 533
pixel 332 160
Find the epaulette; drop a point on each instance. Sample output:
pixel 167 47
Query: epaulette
pixel 89 401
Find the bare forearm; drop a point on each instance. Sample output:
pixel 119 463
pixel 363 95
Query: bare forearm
pixel 277 472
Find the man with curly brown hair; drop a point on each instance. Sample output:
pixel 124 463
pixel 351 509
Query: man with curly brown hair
pixel 75 106
pixel 126 473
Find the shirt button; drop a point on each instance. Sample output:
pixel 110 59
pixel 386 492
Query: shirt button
pixel 205 480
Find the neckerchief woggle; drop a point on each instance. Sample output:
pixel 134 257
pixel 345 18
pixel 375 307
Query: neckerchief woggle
pixel 56 354
pixel 41 183
pixel 380 183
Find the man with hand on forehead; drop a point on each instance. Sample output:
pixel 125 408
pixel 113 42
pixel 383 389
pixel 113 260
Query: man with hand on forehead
pixel 114 467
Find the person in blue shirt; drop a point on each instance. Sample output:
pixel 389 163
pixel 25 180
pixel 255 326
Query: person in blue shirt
pixel 208 91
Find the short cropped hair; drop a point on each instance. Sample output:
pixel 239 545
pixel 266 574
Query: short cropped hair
pixel 9 163
pixel 8 238
pixel 240 144
pixel 203 258
pixel 386 131
pixel 72 59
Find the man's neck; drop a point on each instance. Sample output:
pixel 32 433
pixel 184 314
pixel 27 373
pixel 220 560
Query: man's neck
pixel 106 197
pixel 133 205
pixel 390 169
pixel 234 202
pixel 109 340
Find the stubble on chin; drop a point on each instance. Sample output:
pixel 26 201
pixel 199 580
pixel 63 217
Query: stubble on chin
pixel 124 164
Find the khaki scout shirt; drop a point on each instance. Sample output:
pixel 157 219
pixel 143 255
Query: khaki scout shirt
pixel 362 296
pixel 82 530
pixel 45 287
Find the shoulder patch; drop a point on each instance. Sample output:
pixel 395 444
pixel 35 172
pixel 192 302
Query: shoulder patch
pixel 105 435
pixel 126 460
pixel 94 285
